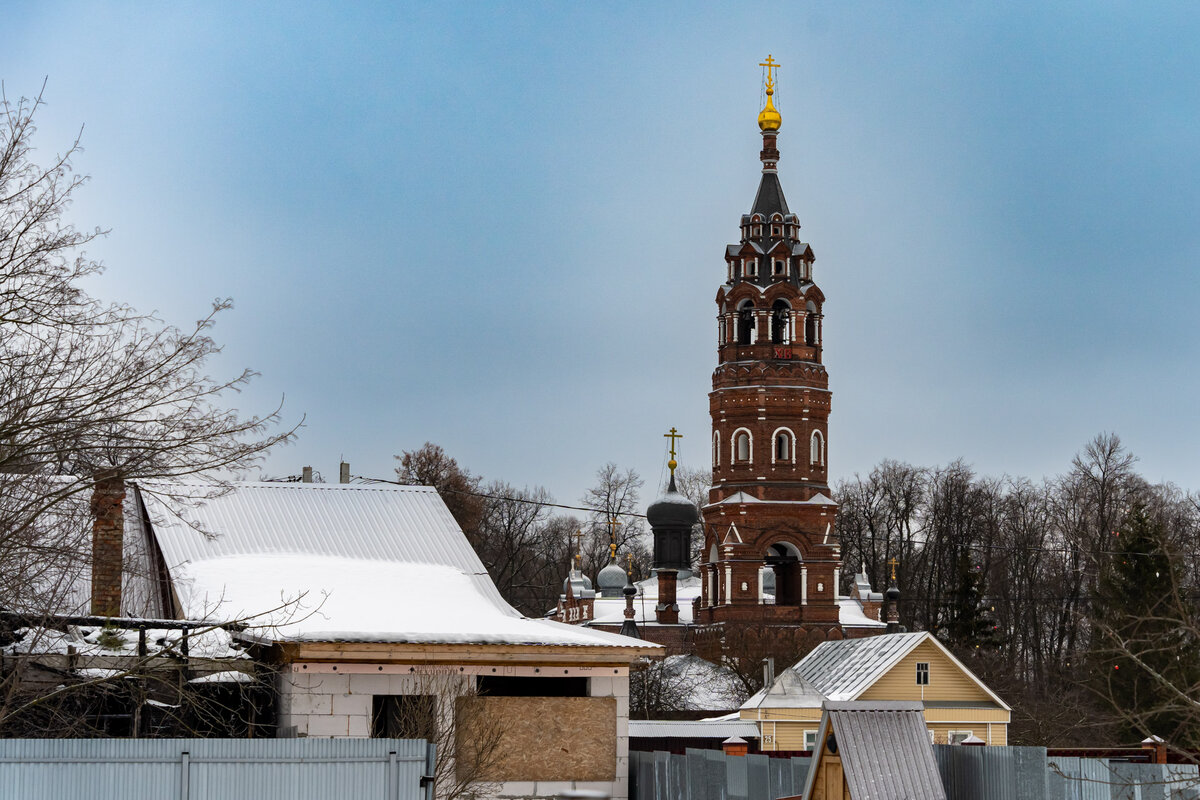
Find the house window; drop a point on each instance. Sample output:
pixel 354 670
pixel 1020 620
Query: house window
pixel 741 444
pixel 752 268
pixel 932 737
pixel 810 740
pixel 957 737
pixel 403 716
pixel 716 449
pixel 922 673
pixel 758 231
pixel 777 267
pixel 783 447
pixel 775 230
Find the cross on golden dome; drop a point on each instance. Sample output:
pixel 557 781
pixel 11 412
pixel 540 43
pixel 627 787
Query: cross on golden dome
pixel 672 464
pixel 768 118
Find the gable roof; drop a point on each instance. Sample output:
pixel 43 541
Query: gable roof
pixel 346 562
pixel 884 749
pixel 844 670
pixel 789 690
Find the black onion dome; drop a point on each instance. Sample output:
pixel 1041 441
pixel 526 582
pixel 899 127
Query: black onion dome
pixel 892 593
pixel 672 510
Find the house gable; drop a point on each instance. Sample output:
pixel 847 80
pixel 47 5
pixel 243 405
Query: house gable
pixel 948 680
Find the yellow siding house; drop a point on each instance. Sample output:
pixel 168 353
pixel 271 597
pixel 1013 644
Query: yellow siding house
pixel 897 666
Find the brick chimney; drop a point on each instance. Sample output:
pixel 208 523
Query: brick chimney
pixel 108 540
pixel 667 610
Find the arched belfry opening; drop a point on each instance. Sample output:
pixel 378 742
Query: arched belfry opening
pixel 781 317
pixel 745 322
pixel 810 324
pixel 783 576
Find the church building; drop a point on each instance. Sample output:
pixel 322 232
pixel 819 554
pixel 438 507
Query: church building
pixel 771 557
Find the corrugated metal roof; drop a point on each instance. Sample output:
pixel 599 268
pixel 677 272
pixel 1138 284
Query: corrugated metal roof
pixel 884 749
pixel 691 729
pixel 224 545
pixel 842 670
pixel 790 690
pixel 410 524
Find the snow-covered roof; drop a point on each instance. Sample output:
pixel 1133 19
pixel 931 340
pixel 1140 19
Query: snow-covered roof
pixel 611 610
pixel 843 670
pixel 789 690
pixel 742 498
pixel 344 562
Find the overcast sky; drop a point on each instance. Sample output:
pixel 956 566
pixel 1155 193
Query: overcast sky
pixel 501 227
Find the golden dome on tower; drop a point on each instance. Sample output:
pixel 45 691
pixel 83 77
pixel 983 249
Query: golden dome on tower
pixel 768 118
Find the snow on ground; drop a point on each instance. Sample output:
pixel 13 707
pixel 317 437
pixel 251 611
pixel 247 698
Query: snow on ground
pixel 330 598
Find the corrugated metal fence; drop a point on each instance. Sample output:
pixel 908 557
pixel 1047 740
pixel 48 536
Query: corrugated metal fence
pixel 208 769
pixel 968 773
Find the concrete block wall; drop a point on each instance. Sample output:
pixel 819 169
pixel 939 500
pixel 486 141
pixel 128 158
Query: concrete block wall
pixel 323 704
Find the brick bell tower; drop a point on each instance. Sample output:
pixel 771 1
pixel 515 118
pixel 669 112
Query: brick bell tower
pixel 770 552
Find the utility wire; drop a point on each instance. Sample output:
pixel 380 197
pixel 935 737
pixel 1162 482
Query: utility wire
pixel 714 526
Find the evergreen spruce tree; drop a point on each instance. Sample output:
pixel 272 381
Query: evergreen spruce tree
pixel 970 625
pixel 1145 652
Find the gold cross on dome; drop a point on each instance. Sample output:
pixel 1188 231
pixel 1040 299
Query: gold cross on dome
pixel 673 436
pixel 613 524
pixel 771 64
pixel 893 562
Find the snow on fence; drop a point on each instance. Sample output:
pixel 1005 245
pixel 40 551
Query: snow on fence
pixel 208 769
pixel 968 773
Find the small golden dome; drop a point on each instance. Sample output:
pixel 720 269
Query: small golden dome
pixel 768 118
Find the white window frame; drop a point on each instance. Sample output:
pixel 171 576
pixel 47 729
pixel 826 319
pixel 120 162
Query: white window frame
pixel 816 448
pixel 716 453
pixel 952 735
pixel 922 673
pixel 813 732
pixel 791 444
pixel 733 449
pixel 932 735
pixel 778 267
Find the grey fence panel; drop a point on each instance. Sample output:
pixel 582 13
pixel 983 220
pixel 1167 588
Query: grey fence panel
pixel 1079 778
pixel 1183 782
pixel 662 779
pixel 678 774
pixel 992 773
pixel 800 767
pixel 737 781
pixel 758 778
pixel 697 772
pixel 714 769
pixel 780 770
pixel 206 769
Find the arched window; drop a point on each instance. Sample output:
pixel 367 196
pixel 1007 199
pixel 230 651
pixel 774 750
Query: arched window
pixel 810 324
pixel 816 450
pixel 745 322
pixel 716 455
pixel 783 447
pixel 781 317
pixel 743 451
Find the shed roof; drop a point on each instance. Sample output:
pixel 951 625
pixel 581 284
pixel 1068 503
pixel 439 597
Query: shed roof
pixel 884 749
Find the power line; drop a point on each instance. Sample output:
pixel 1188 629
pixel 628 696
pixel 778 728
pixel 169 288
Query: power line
pixel 1064 550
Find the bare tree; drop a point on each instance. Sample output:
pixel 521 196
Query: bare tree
pixel 90 391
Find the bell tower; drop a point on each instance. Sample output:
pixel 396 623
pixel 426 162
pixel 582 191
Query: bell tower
pixel 770 551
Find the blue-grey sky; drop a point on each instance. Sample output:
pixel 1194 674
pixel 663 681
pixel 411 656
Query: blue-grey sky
pixel 500 226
